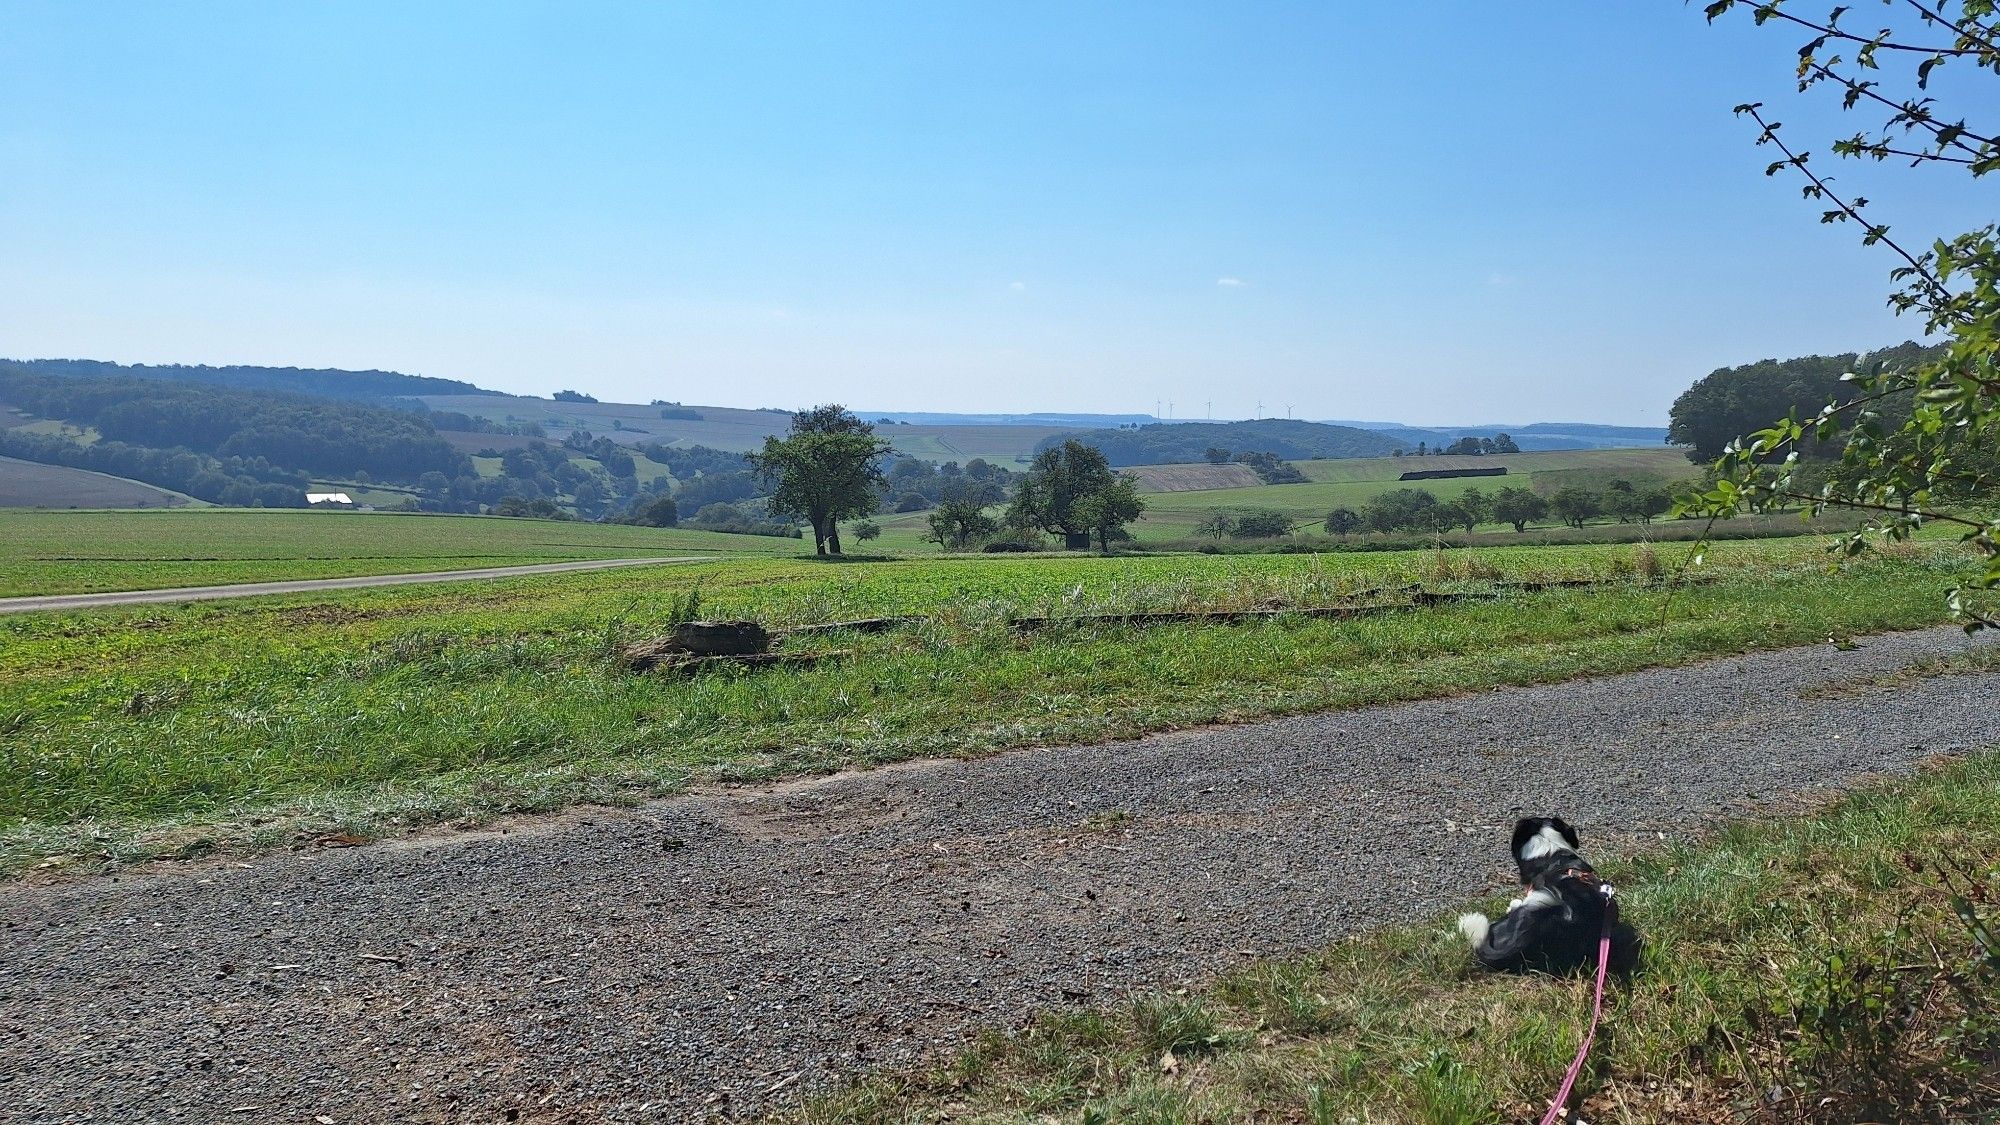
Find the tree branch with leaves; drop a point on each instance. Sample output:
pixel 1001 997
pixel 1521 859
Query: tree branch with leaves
pixel 1938 463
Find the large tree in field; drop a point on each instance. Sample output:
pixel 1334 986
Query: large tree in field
pixel 1071 491
pixel 1920 437
pixel 1107 511
pixel 1519 507
pixel 1342 522
pixel 1399 509
pixel 829 468
pixel 959 521
pixel 1574 505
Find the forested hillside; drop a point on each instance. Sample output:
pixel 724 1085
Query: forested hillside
pixel 1189 442
pixel 241 446
pixel 319 436
pixel 325 382
pixel 1730 402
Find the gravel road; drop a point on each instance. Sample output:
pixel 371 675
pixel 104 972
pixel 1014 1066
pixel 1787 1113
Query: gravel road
pixel 308 585
pixel 710 956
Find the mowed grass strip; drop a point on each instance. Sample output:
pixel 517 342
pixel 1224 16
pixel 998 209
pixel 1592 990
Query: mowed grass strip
pixel 161 728
pixel 1842 966
pixel 84 552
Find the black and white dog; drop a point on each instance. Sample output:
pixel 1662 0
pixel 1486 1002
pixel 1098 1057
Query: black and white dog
pixel 1555 926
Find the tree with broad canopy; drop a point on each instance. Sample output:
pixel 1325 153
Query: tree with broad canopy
pixel 829 468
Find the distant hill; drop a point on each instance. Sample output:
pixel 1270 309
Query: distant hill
pixel 1528 436
pixel 1652 435
pixel 937 418
pixel 325 382
pixel 733 428
pixel 226 445
pixel 1187 442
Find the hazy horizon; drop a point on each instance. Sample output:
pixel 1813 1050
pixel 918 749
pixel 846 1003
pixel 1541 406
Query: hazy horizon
pixel 1528 214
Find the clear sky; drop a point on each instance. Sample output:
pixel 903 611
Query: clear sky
pixel 1452 212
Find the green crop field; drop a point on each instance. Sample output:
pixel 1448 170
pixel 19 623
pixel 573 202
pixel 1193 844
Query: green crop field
pixel 1351 482
pixel 80 552
pixel 140 730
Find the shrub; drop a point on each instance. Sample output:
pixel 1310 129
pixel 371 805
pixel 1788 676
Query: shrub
pixel 1261 524
pixel 661 511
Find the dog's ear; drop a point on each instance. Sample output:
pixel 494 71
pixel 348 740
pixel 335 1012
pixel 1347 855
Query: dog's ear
pixel 1524 831
pixel 1568 833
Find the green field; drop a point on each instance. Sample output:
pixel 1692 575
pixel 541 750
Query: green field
pixel 1351 482
pixel 81 552
pixel 140 729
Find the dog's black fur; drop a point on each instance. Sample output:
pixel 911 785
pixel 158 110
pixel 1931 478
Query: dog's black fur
pixel 1555 926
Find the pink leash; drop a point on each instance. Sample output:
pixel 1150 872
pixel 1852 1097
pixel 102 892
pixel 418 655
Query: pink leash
pixel 1596 1008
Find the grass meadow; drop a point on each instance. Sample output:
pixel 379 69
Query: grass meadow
pixel 136 731
pixel 47 552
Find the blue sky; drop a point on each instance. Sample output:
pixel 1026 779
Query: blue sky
pixel 1442 213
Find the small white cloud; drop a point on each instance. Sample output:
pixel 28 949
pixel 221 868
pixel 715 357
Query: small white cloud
pixel 1018 286
pixel 1501 279
pixel 1232 282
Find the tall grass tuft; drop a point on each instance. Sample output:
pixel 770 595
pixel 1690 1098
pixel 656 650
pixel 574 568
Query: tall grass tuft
pixel 1178 1024
pixel 1646 562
